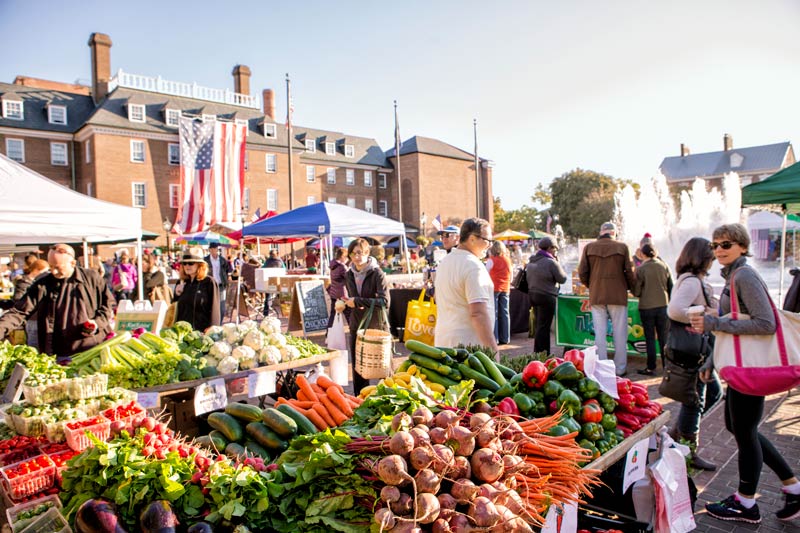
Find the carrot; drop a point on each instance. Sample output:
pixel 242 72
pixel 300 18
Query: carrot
pixel 305 388
pixel 325 382
pixel 315 419
pixel 338 399
pixel 280 401
pixel 326 416
pixel 355 399
pixel 301 396
pixel 301 404
pixel 316 388
pixel 338 416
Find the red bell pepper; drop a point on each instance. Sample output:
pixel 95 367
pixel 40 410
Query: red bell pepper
pixel 553 362
pixel 508 406
pixel 640 399
pixel 626 402
pixel 655 406
pixel 627 419
pixel 638 387
pixel 534 375
pixel 623 385
pixel 575 357
pixel 591 412
pixel 553 407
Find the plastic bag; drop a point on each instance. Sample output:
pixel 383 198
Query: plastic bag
pixel 336 339
pixel 673 500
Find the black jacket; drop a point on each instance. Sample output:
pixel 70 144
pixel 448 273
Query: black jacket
pixel 374 289
pixel 792 301
pixel 224 270
pixel 198 303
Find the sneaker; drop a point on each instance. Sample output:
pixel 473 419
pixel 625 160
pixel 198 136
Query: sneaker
pixel 731 509
pixel 792 508
pixel 646 371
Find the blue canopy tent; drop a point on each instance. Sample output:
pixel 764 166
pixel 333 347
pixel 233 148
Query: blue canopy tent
pixel 394 242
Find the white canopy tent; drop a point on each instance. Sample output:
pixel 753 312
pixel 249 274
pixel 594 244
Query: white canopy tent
pixel 36 210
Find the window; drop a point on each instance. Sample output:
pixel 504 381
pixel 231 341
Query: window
pixel 58 154
pixel 15 149
pixel 136 113
pixel 311 173
pixel 349 151
pixel 331 199
pixel 90 189
pixel 12 109
pixel 311 145
pixel 246 199
pixel 174 153
pixel 350 176
pixel 139 194
pixel 247 160
pixel 173 118
pixel 367 178
pixel 87 147
pixel 270 131
pixel 137 151
pixel 272 199
pixel 331 176
pixel 271 163
pixel 311 200
pixel 330 148
pixel 381 181
pixel 351 202
pixel 209 118
pixel 245 123
pixel 368 205
pixel 174 195
pixel 57 114
pixel 383 208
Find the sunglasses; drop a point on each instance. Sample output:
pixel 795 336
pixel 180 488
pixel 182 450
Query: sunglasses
pixel 189 264
pixel 725 245
pixel 478 235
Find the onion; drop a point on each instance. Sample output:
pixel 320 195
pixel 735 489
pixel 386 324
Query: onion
pixel 403 505
pixel 480 420
pixel 401 443
pixel 427 507
pixel 420 458
pixel 392 470
pixel 390 494
pixel 464 440
pixel 439 435
pixel 421 436
pixel 401 420
pixel 464 490
pixel 422 415
pixel 460 468
pixel 442 459
pixel 487 465
pixel 445 419
pixel 427 481
pixel 385 518
pixel 483 512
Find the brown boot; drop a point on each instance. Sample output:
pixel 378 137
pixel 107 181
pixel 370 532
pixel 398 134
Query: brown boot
pixel 695 460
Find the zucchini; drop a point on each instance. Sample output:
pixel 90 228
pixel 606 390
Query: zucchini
pixel 481 381
pixel 491 370
pixel 304 425
pixel 218 439
pixel 449 351
pixel 507 372
pixel 266 437
pixel 234 450
pixel 461 355
pixel 437 366
pixel 278 422
pixel 435 377
pixel 256 450
pixel 475 364
pixel 424 349
pixel 244 411
pixel 403 366
pixel 229 426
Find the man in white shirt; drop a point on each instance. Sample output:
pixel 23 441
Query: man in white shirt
pixel 465 292
pixel 220 269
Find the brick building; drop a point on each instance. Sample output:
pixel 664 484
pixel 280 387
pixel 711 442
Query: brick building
pixel 118 141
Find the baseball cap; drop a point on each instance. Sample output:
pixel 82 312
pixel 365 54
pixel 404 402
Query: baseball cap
pixel 450 229
pixel 608 226
pixel 213 245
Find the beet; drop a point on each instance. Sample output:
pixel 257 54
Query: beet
pixel 97 516
pixel 487 465
pixel 200 527
pixel 158 517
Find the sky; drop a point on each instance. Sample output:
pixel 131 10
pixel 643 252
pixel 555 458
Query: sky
pixel 611 86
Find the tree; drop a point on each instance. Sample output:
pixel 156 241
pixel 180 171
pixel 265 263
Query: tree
pixel 522 219
pixel 542 196
pixel 583 200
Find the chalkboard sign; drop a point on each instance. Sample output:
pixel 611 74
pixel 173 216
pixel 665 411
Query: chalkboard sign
pixel 312 305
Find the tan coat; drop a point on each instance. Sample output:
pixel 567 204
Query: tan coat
pixel 606 269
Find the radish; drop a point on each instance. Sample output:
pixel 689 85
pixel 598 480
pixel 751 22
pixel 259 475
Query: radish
pixel 427 507
pixel 403 505
pixel 385 518
pixel 427 481
pixel 461 468
pixel 487 465
pixel 401 443
pixel 392 470
pixel 445 419
pixel 401 420
pixel 420 458
pixel 463 490
pixel 422 415
pixel 439 435
pixel 390 494
pixel 483 511
pixel 463 441
pixel 442 459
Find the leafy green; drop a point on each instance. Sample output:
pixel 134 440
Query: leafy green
pixel 458 395
pixel 374 416
pixel 240 494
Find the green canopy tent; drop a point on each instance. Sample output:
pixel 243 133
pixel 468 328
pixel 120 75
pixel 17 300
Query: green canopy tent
pixel 782 188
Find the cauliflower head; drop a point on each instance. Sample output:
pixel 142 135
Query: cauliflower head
pixel 254 339
pixel 269 355
pixel 231 333
pixel 246 356
pixel 270 325
pixel 228 365
pixel 220 349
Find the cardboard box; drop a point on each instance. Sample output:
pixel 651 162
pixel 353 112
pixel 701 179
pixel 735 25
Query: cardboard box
pixel 180 409
pixel 267 279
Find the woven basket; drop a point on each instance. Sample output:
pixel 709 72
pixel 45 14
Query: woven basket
pixel 373 353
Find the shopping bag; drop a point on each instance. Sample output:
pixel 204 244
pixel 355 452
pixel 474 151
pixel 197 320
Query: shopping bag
pixel 671 486
pixel 336 339
pixel 420 320
pixel 374 347
pixel 760 365
pixel 520 281
pixel 122 280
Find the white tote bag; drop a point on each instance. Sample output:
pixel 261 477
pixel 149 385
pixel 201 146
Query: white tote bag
pixel 337 340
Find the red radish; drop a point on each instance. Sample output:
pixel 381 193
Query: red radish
pixel 483 512
pixel 117 426
pixel 149 423
pixel 487 465
pixel 422 415
pixel 420 458
pixel 427 507
pixel 463 490
pixel 401 443
pixel 393 470
pixel 438 435
pixel 462 440
pixel 390 494
pixel 427 481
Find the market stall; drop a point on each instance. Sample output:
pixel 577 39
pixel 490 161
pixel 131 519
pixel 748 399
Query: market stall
pixel 574 325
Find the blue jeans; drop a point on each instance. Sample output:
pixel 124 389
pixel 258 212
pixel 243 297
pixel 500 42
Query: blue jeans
pixel 689 416
pixel 619 325
pixel 654 323
pixel 502 319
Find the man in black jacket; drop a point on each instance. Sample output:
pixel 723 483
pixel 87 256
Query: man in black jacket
pixel 220 269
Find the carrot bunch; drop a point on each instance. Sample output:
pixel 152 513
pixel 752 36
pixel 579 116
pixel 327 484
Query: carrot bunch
pixel 324 403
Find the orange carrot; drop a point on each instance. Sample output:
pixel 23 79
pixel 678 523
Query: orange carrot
pixel 326 416
pixel 306 388
pixel 316 388
pixel 301 404
pixel 280 401
pixel 338 399
pixel 315 419
pixel 301 395
pixel 338 416
pixel 325 382
pixel 357 400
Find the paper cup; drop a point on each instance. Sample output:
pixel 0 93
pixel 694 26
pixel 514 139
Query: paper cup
pixel 696 310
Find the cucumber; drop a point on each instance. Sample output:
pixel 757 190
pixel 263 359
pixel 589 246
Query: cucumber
pixel 424 349
pixel 481 381
pixel 403 366
pixel 435 377
pixel 255 449
pixel 205 442
pixel 278 422
pixel 244 411
pixel 437 366
pixel 229 426
pixel 218 439
pixel 449 351
pixel 507 372
pixel 234 450
pixel 491 370
pixel 266 437
pixel 461 355
pixel 304 425
pixel 475 364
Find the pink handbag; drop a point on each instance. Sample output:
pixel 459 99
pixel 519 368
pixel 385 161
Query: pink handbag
pixel 760 365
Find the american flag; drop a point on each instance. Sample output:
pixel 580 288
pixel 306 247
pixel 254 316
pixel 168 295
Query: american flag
pixel 255 216
pixel 212 174
pixel 437 223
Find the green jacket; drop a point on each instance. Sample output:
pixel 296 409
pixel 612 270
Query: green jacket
pixel 653 284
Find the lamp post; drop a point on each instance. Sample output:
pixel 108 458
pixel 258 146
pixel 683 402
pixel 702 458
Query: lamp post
pixel 243 215
pixel 167 225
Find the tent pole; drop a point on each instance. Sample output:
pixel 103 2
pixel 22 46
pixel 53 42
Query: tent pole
pixel 783 255
pixel 85 254
pixel 139 266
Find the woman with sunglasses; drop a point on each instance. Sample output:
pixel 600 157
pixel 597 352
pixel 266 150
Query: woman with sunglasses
pixel 743 412
pixel 196 293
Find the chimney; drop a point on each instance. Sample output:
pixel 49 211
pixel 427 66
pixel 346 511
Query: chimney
pixel 727 142
pixel 269 103
pixel 684 150
pixel 100 43
pixel 241 79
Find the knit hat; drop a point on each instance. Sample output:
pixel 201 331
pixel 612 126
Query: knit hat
pixel 546 243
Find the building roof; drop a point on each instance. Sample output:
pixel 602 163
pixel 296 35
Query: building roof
pixel 426 145
pixel 34 108
pixel 753 159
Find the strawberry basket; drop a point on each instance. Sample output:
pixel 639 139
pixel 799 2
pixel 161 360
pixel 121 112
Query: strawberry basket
pixel 28 477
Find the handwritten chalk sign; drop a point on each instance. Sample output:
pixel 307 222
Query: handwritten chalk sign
pixel 312 305
pixel 210 396
pixel 260 384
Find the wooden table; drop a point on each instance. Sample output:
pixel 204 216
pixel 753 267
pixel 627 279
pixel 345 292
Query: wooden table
pixel 618 452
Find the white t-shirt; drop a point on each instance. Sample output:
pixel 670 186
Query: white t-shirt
pixel 461 279
pixel 215 269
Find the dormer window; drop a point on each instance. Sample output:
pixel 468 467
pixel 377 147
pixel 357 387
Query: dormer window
pixel 12 109
pixel 173 117
pixel 349 151
pixel 270 131
pixel 57 114
pixel 330 148
pixel 311 145
pixel 209 118
pixel 136 113
pixel 736 160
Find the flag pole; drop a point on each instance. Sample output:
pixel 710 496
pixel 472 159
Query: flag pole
pixel 477 170
pixel 289 153
pixel 403 247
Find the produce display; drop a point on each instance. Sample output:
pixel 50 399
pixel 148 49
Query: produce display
pixel 324 403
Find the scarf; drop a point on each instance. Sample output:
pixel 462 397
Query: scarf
pixel 360 275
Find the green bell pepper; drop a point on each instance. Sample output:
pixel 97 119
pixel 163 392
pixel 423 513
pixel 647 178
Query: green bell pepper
pixel 552 389
pixel 602 445
pixel 609 422
pixel 569 401
pixel 524 404
pixel 505 391
pixel 611 437
pixel 570 423
pixel 587 444
pixel 539 410
pixel 606 402
pixel 536 396
pixel 592 431
pixel 558 431
pixel 588 388
pixel 566 373
pixel 516 379
pixel 620 435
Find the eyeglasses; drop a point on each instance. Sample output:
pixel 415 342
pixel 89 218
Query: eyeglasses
pixel 189 264
pixel 488 241
pixel 725 245
pixel 359 252
pixel 58 250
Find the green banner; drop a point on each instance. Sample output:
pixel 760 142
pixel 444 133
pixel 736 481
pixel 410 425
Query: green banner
pixel 574 325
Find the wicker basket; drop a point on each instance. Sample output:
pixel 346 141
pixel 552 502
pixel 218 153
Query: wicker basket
pixel 373 353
